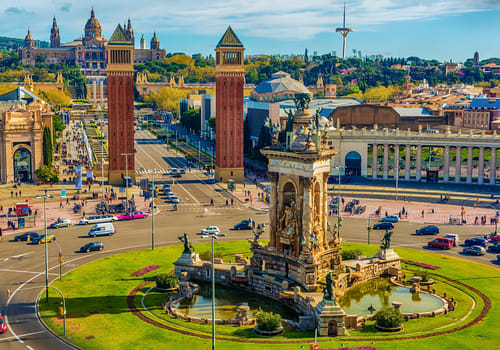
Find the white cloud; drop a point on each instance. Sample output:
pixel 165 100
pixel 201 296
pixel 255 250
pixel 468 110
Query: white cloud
pixel 274 19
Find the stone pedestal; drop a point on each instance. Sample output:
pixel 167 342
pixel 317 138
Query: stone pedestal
pixel 387 254
pixel 330 319
pixel 188 259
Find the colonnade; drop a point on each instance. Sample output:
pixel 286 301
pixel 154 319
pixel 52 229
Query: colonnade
pixel 446 166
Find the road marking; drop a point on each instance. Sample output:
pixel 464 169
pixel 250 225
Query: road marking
pixel 5 259
pixel 20 255
pixel 24 271
pixel 29 347
pixel 22 336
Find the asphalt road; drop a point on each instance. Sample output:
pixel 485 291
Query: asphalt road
pixel 22 265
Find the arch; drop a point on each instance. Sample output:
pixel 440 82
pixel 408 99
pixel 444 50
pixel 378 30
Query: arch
pixel 22 160
pixel 332 328
pixel 353 164
pixel 289 192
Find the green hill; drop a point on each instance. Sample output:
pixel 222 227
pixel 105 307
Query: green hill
pixel 14 43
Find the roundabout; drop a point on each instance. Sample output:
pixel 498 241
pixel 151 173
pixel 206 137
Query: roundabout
pixel 111 309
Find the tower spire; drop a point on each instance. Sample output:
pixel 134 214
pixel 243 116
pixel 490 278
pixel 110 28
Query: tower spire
pixel 344 31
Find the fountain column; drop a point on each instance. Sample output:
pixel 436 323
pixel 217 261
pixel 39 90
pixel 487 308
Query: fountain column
pixel 480 166
pixel 458 164
pixel 493 166
pixel 446 166
pixel 469 164
pixel 408 163
pixel 374 161
pixel 419 163
pixel 386 161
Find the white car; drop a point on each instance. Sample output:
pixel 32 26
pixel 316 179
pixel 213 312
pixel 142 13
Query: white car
pixel 221 235
pixel 210 230
pixel 98 219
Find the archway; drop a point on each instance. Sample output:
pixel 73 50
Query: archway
pixel 332 328
pixel 22 165
pixel 353 164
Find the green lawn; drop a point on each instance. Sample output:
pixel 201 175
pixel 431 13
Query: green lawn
pixel 99 318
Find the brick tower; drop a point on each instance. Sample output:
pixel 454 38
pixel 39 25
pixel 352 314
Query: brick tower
pixel 120 75
pixel 229 78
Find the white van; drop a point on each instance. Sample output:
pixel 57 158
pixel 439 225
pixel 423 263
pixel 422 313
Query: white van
pixel 104 229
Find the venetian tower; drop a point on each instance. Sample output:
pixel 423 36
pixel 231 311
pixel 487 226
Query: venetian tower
pixel 302 247
pixel 55 39
pixel 229 81
pixel 120 76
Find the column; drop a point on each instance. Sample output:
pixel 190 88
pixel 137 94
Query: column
pixel 273 208
pixel 480 166
pixel 374 161
pixel 408 163
pixel 469 165
pixel 493 165
pixel 94 90
pixel 102 91
pixel 446 167
pixel 458 164
pixel 396 161
pixel 386 160
pixel 419 162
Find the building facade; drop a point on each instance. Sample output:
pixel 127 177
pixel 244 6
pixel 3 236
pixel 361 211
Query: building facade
pixel 88 52
pixel 120 76
pixel 229 80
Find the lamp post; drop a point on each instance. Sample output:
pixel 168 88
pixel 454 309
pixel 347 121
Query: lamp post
pixel 199 154
pixel 126 175
pixel 46 252
pixel 396 174
pixel 369 228
pixel 102 160
pixel 340 169
pixel 153 211
pixel 214 237
pixel 60 260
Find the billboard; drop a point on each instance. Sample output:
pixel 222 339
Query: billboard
pixel 78 177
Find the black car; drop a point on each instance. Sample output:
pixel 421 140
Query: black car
pixel 428 230
pixel 91 246
pixel 243 225
pixel 24 236
pixel 383 226
pixel 495 247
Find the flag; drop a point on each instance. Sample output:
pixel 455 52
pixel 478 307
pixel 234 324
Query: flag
pixel 78 179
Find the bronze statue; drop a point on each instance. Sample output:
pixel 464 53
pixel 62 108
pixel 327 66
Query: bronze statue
pixel 386 241
pixel 288 221
pixel 301 102
pixel 328 290
pixel 188 248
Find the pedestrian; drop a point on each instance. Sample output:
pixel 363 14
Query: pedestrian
pixel 16 194
pixel 227 203
pixel 386 214
pixel 60 204
pixel 67 201
pixel 11 194
pixel 83 213
pixel 232 202
pixel 423 213
pixel 211 202
pixel 432 211
pixel 342 200
pixel 19 194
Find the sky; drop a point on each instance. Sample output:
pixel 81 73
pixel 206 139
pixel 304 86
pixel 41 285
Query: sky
pixel 433 29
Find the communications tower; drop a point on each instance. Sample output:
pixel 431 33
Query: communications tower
pixel 344 31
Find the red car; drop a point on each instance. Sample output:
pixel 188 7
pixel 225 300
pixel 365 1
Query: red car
pixel 3 325
pixel 495 238
pixel 441 243
pixel 132 216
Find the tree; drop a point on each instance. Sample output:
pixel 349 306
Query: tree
pixel 166 99
pixel 211 123
pixel 191 119
pixel 268 321
pixel 46 174
pixel 56 97
pixel 389 317
pixel 47 147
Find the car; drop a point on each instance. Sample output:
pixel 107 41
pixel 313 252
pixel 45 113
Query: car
pixel 3 325
pixel 24 236
pixel 221 235
pixel 174 200
pixel 243 225
pixel 41 239
pixel 427 230
pixel 383 226
pixel 476 241
pixel 495 238
pixel 204 236
pixel 474 250
pixel 92 246
pixel 498 257
pixel 210 230
pixel 210 181
pixel 495 247
pixel 454 237
pixel 390 218
pixel 133 216
pixel 441 243
pixel 60 223
pixel 98 219
pixel 170 194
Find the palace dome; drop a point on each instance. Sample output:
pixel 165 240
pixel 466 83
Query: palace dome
pixel 93 27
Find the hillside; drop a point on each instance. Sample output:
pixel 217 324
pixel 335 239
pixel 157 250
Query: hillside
pixel 13 43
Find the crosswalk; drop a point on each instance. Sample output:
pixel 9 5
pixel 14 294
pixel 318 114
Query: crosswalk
pixel 150 171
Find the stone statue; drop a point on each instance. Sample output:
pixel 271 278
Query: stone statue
pixel 288 221
pixel 188 248
pixel 289 122
pixel 386 241
pixel 257 232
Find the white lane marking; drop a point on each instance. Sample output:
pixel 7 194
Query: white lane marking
pixel 20 255
pixel 5 259
pixel 23 271
pixel 21 336
pixel 29 347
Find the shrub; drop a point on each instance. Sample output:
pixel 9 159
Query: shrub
pixel 267 321
pixel 46 174
pixel 351 254
pixel 389 317
pixel 424 275
pixel 207 255
pixel 166 281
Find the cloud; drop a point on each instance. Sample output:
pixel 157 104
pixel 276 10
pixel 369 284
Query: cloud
pixel 16 11
pixel 65 7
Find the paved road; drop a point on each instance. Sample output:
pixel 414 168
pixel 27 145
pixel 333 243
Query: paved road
pixel 22 265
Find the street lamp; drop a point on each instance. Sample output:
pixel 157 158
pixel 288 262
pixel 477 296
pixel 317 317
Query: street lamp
pixel 153 209
pixel 369 228
pixel 126 175
pixel 60 260
pixel 46 252
pixel 396 174
pixel 102 160
pixel 214 237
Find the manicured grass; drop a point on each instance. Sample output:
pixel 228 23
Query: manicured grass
pixel 97 307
